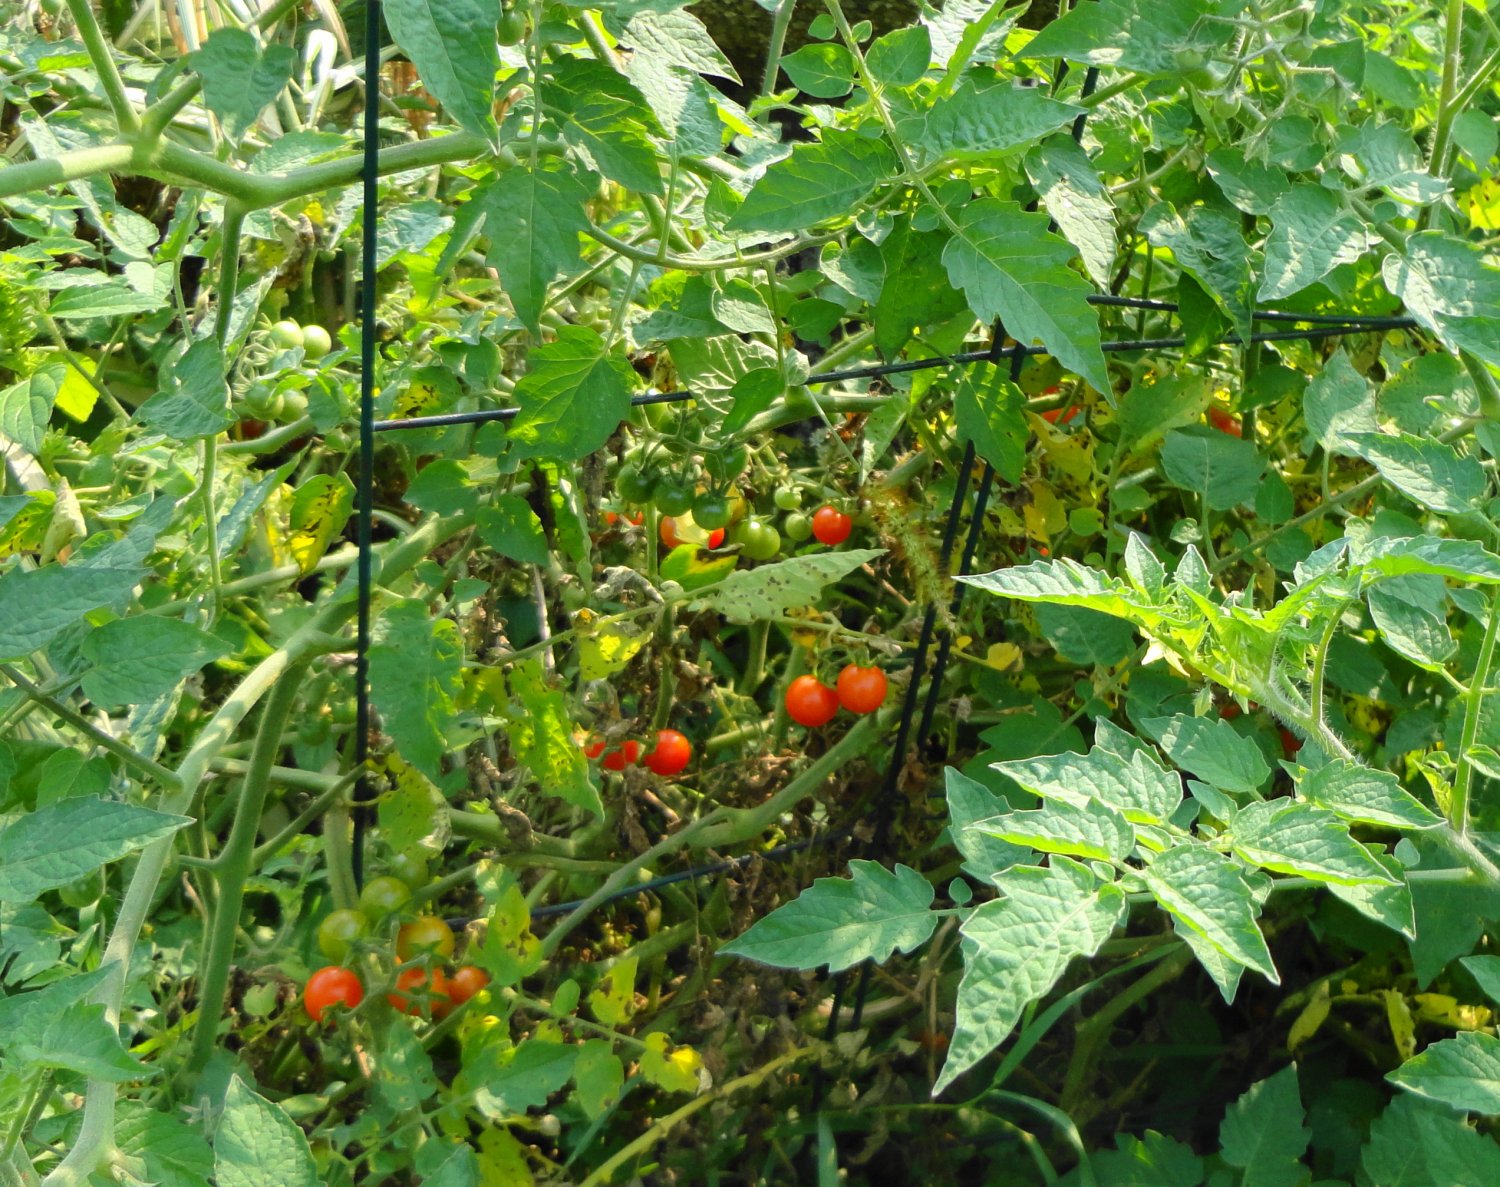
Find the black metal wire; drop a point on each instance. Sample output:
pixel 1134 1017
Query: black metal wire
pixel 365 482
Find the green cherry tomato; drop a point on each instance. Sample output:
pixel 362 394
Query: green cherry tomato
pixel 426 933
pixel 337 933
pixel 512 27
pixel 797 527
pixel 732 461
pixel 673 495
pixel 84 892
pixel 293 407
pixel 788 498
pixel 635 486
pixel 410 867
pixel 711 511
pixel 383 897
pixel 757 539
pixel 316 341
pixel 287 334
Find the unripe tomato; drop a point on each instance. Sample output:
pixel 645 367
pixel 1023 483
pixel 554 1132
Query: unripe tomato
pixel 466 982
pixel 757 539
pixel 287 334
pixel 425 933
pixel 337 933
pixel 671 753
pixel 711 510
pixel 410 867
pixel 329 986
pixel 861 690
pixel 673 495
pixel 383 897
pixel 419 991
pixel 293 407
pixel 511 28
pixel 622 756
pixel 797 527
pixel 810 702
pixel 316 341
pixel 788 498
pixel 830 525
pixel 635 486
pixel 84 892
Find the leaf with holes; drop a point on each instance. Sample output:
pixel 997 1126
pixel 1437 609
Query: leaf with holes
pixel 748 595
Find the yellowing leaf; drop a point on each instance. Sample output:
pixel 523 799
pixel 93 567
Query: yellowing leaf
pixel 77 396
pixel 1483 205
pixel 674 1068
pixel 320 509
pixel 26 528
pixel 510 952
pixel 608 647
pixel 614 1001
pixel 1002 656
pixel 502 1160
pixel 1045 515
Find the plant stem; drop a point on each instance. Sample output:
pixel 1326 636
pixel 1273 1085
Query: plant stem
pixel 103 59
pixel 236 863
pixel 779 26
pixel 1458 808
pixel 1453 30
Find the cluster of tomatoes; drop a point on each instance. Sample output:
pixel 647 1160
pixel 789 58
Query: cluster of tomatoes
pixel 812 703
pixel 670 756
pixel 424 944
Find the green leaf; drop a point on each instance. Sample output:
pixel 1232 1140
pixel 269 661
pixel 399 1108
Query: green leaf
pixel 1446 285
pixel 989 409
pixel 97 831
pixel 842 921
pixel 443 487
pixel 1017 946
pixel 752 393
pixel 574 396
pixel 257 1145
pixel 1411 614
pixel 26 407
pixel 195 401
pixel 1300 839
pixel 1462 1072
pixel 1486 972
pixel 1252 186
pixel 1384 156
pixel 533 218
pixel 678 39
pixel 240 78
pixel 822 70
pixel 819 181
pixel 1012 267
pixel 510 951
pixel 1085 636
pixel 1414 1143
pixel 1142 36
pixel 174 1153
pixel 1389 904
pixel 1064 582
pixel 1338 405
pixel 1463 560
pixel 1207 242
pixel 900 57
pixel 541 731
pixel 1213 750
pixel 1075 198
pixel 1135 784
pixel 416 666
pixel 1429 473
pixel 1264 1133
pixel 915 293
pixel 137 659
pixel 41 603
pixel 1225 470
pixel 452 45
pixel 1311 235
pixel 511 1080
pixel 412 812
pixel 511 528
pixel 766 591
pixel 980 120
pixel 1364 795
pixel 603 114
pixel 970 801
pixel 98 295
pixel 1093 830
pixel 403 1075
pixel 598 1076
pixel 1148 410
pixel 738 304
pixel 1207 893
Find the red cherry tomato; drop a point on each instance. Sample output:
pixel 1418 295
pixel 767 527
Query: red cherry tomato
pixel 666 528
pixel 1061 415
pixel 1223 421
pixel 810 702
pixel 465 983
pixel 1229 710
pixel 1290 742
pixel 610 519
pixel 716 537
pixel 671 753
pixel 329 986
pixel 593 747
pixel 830 525
pixel 416 988
pixel 425 933
pixel 622 756
pixel 861 690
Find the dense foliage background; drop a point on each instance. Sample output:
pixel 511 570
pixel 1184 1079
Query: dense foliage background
pixel 1185 871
